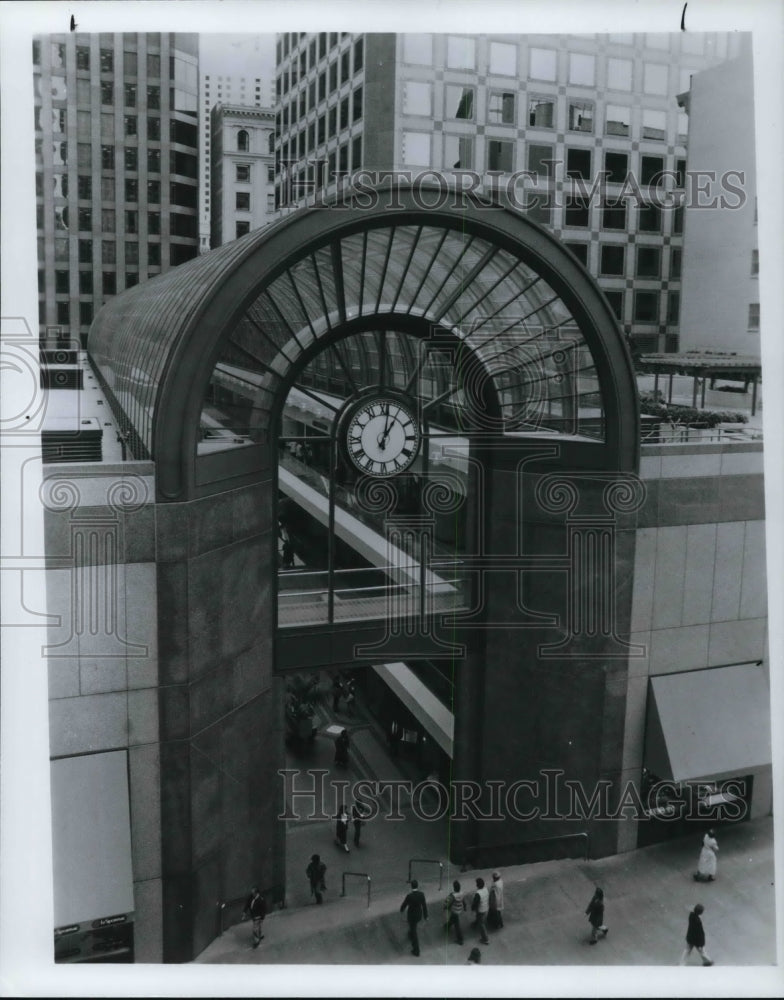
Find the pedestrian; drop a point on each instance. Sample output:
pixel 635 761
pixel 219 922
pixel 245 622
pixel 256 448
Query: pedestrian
pixel 695 936
pixel 416 907
pixel 287 554
pixel 595 913
pixel 341 828
pixel 337 692
pixel 706 866
pixel 495 915
pixel 351 694
pixel 474 957
pixel 358 814
pixel 256 909
pixel 342 743
pixel 316 871
pixel 455 905
pixel 481 906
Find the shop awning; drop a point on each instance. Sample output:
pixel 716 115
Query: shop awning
pixel 708 723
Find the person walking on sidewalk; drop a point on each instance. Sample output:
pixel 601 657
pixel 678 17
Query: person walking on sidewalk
pixel 495 915
pixel 706 866
pixel 455 905
pixel 342 743
pixel 695 936
pixel 595 913
pixel 415 907
pixel 481 906
pixel 341 828
pixel 316 871
pixel 358 818
pixel 256 909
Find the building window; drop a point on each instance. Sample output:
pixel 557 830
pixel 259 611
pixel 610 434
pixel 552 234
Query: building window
pixel 107 92
pixel 322 85
pixel 650 218
pixel 333 122
pixel 614 216
pixel 501 107
pixel 655 79
pixel 576 213
pixel 683 127
pixel 459 102
pixel 578 163
pixel 107 61
pixel 460 52
pixel 675 263
pixel 615 298
pixel 582 69
pixel 356 152
pixel 154 192
pixel 132 278
pixel 82 57
pixel 541 112
pixel 580 250
pixel 358 55
pixel 543 64
pixel 418 49
pixel 754 316
pixel 673 308
pixel 153 64
pixel 345 66
pixel 755 263
pixel 650 169
pixel 580 116
pixel 654 124
pixel 108 220
pixel 241 228
pixel 242 201
pixel 648 262
pixel 646 307
pixel 333 77
pixel 85 313
pixel 62 282
pixel 108 252
pixel 85 220
pixel 131 221
pixel 417 98
pixel 153 161
pixel 618 120
pixel 131 252
pixel 154 98
pixel 540 160
pixel 130 95
pixel 680 173
pixel 131 158
pixel 131 189
pixel 356 105
pixel 63 313
pixel 154 128
pixel 84 185
pixel 85 251
pixel 416 149
pixel 612 259
pixel 85 282
pixel 109 283
pixel 243 172
pixel 619 74
pixel 500 155
pixel 503 58
pixel 458 152
pixel 154 223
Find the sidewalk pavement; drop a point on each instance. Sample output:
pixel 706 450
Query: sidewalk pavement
pixel 648 895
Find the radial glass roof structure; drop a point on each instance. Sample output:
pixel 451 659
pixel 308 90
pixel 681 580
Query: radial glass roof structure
pixel 199 362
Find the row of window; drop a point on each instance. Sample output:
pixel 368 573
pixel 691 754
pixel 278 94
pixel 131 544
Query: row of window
pixel 243 173
pixel 320 173
pixel 646 306
pixel 310 57
pixel 242 201
pixel 501 155
pixel 349 108
pixel 507 59
pixel 326 127
pixel 243 141
pixel 87 248
pixel 612 260
pixel 106 60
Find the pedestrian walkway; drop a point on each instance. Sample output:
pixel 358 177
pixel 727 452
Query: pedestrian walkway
pixel 648 895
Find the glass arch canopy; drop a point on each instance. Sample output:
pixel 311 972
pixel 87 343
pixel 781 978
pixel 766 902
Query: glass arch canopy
pixel 506 318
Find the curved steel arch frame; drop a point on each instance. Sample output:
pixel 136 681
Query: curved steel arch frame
pixel 197 346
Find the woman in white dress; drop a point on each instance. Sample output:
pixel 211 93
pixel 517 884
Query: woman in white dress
pixel 706 867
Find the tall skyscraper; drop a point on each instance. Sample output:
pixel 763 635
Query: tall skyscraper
pixel 564 108
pixel 116 167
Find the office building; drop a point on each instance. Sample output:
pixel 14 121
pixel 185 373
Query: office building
pixel 242 171
pixel 563 107
pixel 116 168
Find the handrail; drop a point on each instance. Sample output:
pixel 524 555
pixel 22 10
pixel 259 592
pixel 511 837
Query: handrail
pixel 357 875
pixel 528 843
pixel 427 861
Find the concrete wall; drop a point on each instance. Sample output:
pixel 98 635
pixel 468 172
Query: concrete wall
pixel 699 578
pixel 180 677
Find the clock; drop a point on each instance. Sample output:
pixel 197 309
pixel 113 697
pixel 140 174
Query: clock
pixel 382 436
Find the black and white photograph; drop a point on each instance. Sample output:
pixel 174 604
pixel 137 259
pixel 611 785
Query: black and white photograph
pixel 392 499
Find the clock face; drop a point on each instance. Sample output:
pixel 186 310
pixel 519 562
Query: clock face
pixel 382 437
